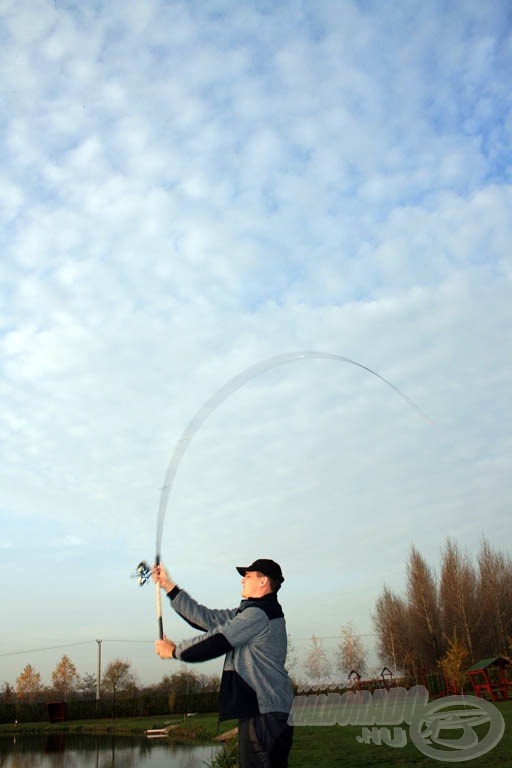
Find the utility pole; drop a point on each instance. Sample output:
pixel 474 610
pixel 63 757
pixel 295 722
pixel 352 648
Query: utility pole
pixel 98 672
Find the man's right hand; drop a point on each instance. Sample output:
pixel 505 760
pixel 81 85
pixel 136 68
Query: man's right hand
pixel 165 648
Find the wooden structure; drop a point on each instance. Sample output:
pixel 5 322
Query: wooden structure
pixel 492 678
pixel 354 679
pixel 57 711
pixel 387 678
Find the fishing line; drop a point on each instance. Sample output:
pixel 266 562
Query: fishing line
pixel 222 394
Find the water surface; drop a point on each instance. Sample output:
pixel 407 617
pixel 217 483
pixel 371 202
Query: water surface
pixel 99 751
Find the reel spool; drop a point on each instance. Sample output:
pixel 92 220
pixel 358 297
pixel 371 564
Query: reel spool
pixel 143 573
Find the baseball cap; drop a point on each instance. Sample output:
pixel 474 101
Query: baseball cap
pixel 267 567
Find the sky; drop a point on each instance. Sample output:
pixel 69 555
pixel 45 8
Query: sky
pixel 189 189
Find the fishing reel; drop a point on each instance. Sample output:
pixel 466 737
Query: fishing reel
pixel 143 573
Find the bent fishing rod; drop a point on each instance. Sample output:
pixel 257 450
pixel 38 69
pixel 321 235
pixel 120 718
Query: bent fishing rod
pixel 143 572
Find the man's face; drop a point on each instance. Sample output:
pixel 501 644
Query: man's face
pixel 253 584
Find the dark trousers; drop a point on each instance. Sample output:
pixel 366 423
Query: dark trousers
pixel 264 741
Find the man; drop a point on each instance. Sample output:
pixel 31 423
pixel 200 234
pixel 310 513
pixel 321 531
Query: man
pixel 255 686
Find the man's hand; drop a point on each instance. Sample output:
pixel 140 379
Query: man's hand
pixel 161 577
pixel 165 648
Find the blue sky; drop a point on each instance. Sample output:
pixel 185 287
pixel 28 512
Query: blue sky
pixel 187 189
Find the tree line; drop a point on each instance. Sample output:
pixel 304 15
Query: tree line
pixel 183 691
pixel 441 623
pixel 349 656
pixel 451 620
pixel 120 694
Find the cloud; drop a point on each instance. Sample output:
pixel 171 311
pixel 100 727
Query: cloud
pixel 187 191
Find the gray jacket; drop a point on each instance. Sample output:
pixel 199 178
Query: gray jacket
pixel 253 639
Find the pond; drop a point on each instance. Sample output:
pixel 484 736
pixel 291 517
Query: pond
pixel 99 751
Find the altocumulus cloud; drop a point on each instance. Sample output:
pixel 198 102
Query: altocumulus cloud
pixel 189 188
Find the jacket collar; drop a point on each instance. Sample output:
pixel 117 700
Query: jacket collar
pixel 271 597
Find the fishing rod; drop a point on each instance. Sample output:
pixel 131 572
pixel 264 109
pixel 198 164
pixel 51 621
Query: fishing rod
pixel 213 402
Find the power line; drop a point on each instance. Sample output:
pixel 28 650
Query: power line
pixel 126 640
pixel 70 645
pixel 48 648
pixel 337 637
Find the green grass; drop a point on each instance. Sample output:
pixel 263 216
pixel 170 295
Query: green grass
pixel 319 746
pixel 329 747
pixel 199 727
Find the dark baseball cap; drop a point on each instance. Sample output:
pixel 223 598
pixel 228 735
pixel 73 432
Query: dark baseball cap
pixel 267 567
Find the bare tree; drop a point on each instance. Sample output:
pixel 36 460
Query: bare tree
pixel 185 681
pixel 118 677
pixel 495 597
pixel 351 652
pixel 8 702
pixel 394 644
pixel 460 611
pixel 316 664
pixel 87 685
pixel 211 683
pixel 467 616
pixel 291 657
pixel 424 612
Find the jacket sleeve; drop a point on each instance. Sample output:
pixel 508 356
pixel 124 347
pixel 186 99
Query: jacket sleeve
pixel 198 616
pixel 240 629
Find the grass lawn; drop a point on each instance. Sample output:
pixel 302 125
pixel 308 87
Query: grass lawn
pixel 328 747
pixel 197 728
pixel 318 746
